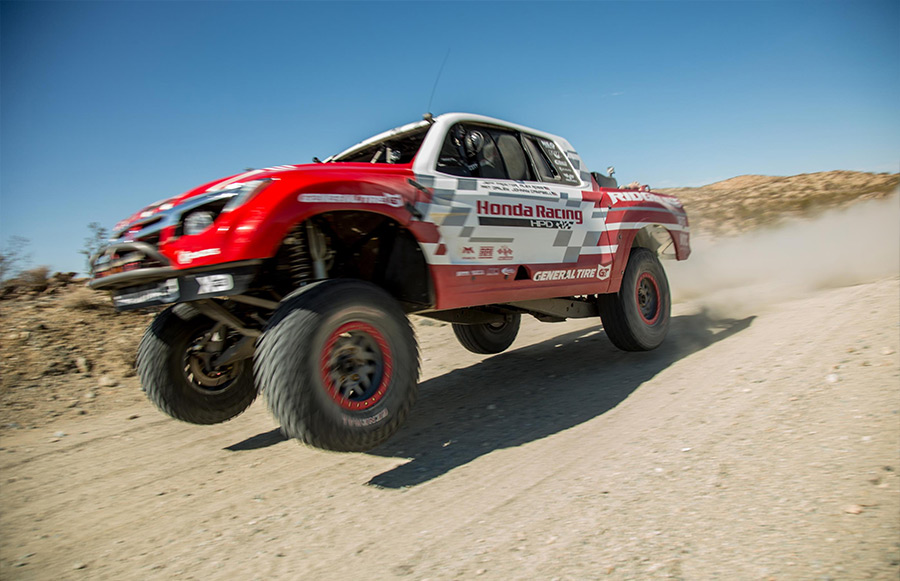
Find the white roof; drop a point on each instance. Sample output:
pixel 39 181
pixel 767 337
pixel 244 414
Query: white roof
pixel 429 151
pixel 445 119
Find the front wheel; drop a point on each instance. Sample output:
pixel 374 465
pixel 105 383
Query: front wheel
pixel 637 317
pixel 339 366
pixel 176 370
pixel 489 338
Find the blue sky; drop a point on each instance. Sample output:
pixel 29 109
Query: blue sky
pixel 108 106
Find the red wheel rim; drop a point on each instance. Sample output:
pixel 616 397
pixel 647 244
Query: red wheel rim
pixel 647 298
pixel 356 365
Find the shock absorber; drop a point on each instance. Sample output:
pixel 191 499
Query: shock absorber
pixel 306 251
pixel 299 262
pixel 318 250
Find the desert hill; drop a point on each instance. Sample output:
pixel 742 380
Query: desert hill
pixel 747 202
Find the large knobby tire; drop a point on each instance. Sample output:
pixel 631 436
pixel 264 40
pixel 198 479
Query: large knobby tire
pixel 339 365
pixel 176 373
pixel 489 338
pixel 637 317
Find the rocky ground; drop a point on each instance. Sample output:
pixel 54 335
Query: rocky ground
pixel 761 441
pixel 64 354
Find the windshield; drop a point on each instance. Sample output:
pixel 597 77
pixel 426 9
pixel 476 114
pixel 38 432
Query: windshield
pixel 398 148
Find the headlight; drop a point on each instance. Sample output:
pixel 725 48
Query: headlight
pixel 243 192
pixel 197 222
pixel 201 212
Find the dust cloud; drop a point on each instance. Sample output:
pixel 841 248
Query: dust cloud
pixel 736 276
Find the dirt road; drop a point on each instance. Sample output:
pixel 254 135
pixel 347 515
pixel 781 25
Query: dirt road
pixel 758 447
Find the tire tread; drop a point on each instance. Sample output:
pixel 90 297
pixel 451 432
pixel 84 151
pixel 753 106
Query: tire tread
pixel 297 408
pixel 168 390
pixel 613 306
pixel 479 339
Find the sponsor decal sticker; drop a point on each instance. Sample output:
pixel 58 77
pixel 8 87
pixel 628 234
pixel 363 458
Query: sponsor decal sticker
pixel 475 252
pixel 600 272
pixel 392 200
pixel 508 271
pixel 166 292
pixel 510 187
pixel 187 257
pixel 362 422
pixel 214 283
pixel 539 216
pixel 559 161
pixel 635 196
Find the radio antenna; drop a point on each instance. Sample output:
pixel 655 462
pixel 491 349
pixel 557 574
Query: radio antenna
pixel 438 78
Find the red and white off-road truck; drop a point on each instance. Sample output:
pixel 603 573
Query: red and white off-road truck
pixel 296 281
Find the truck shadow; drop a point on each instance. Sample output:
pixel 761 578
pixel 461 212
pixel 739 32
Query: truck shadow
pixel 524 395
pixel 531 393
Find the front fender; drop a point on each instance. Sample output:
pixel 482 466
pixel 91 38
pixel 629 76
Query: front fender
pixel 256 230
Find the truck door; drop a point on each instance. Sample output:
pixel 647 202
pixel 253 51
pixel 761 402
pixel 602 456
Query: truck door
pixel 518 199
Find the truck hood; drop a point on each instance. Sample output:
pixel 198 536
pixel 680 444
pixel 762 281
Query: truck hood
pixel 276 172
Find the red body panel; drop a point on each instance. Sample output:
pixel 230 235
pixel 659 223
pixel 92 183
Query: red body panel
pixel 256 229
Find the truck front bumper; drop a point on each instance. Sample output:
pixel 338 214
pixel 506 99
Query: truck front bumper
pixel 161 284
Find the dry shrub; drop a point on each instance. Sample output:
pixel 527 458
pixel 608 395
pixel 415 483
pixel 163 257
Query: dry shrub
pixel 85 299
pixel 32 281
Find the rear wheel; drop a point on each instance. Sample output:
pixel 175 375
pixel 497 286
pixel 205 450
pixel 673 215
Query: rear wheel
pixel 637 317
pixel 175 364
pixel 339 365
pixel 489 338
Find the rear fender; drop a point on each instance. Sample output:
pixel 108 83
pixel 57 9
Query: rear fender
pixel 646 220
